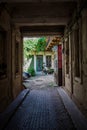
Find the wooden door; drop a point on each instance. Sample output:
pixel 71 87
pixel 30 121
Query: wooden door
pixel 39 62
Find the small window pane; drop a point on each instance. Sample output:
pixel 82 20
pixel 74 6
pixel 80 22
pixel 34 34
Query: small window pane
pixel 48 61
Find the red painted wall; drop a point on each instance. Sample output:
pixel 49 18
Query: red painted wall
pixel 59 57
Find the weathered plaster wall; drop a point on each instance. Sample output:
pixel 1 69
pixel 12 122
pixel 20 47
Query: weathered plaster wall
pixel 16 76
pixel 5 84
pixel 12 84
pixel 68 75
pixel 77 81
pixel 77 86
pixel 84 57
pixel 56 64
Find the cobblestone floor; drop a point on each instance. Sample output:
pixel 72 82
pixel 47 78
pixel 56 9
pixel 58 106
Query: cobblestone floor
pixel 42 109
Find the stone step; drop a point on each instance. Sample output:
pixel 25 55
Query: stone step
pixel 11 109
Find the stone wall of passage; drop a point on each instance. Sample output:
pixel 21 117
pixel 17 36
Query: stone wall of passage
pixel 84 55
pixel 5 45
pixel 16 61
pixel 75 50
pixel 10 60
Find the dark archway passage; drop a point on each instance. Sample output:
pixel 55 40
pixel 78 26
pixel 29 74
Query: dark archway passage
pixel 67 18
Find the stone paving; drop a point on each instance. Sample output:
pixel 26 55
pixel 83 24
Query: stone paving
pixel 42 109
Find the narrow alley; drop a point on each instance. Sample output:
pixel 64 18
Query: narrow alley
pixel 47 37
pixel 45 108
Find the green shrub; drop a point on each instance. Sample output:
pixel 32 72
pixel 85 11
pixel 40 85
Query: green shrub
pixel 31 71
pixel 50 71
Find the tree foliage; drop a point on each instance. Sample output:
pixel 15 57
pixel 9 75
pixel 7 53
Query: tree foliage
pixel 34 44
pixel 41 45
